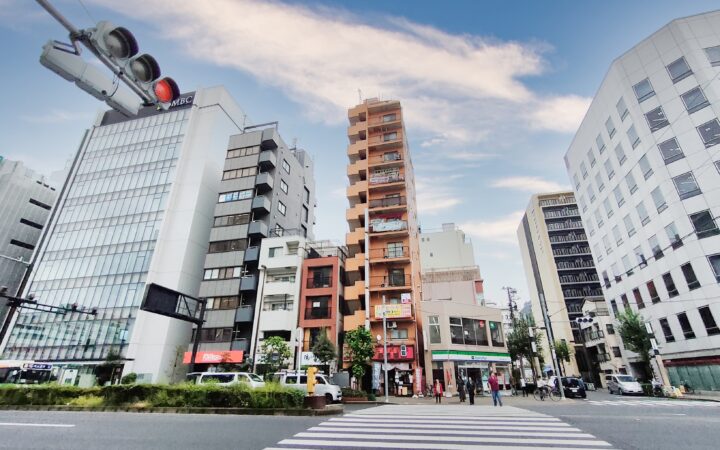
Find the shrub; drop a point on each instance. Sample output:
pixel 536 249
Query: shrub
pixel 371 397
pixel 87 400
pixel 129 378
pixel 347 392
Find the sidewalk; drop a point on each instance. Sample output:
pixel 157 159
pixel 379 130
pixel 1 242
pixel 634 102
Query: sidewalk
pixel 484 400
pixel 708 396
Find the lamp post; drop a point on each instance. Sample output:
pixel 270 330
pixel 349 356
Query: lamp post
pixel 384 338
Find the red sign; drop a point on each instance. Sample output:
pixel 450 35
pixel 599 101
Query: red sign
pixel 231 356
pixel 395 353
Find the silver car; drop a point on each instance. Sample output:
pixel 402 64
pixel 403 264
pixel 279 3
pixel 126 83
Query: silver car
pixel 624 385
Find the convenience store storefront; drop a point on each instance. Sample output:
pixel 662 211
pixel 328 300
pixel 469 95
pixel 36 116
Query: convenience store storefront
pixel 449 366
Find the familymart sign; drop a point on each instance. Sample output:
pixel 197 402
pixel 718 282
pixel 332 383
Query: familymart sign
pixel 467 355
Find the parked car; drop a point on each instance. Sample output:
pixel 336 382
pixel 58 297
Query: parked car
pixel 323 386
pixel 228 378
pixel 574 387
pixel 624 385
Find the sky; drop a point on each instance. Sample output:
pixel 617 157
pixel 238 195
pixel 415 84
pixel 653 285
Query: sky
pixel 492 91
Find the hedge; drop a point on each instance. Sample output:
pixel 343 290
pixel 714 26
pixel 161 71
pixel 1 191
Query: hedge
pixel 181 395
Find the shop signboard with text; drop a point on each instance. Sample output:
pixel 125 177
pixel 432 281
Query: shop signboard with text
pixel 394 311
pixel 395 353
pixel 232 356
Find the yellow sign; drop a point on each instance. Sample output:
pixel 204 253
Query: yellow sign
pixel 394 311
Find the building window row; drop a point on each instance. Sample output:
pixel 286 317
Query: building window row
pixel 223 273
pixel 239 173
pixel 234 219
pixel 235 196
pixel 706 316
pixel 245 151
pixel 233 245
pixel 227 302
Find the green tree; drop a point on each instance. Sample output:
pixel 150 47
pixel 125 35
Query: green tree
pixel 361 348
pixel 519 343
pixel 324 350
pixel 563 352
pixel 275 352
pixel 635 337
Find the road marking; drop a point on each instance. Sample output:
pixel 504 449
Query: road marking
pixel 493 440
pixel 48 425
pixel 462 431
pixel 413 445
pixel 342 423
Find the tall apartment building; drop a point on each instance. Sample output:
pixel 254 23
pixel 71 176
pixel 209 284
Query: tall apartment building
pixel 465 338
pixel 25 201
pixel 383 256
pixel 646 170
pixel 138 210
pixel 267 191
pixel 559 268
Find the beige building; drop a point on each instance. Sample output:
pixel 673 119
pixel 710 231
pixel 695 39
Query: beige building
pixel 602 344
pixel 559 268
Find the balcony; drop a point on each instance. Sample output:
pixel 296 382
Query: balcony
pixel 568 238
pixel 258 228
pixel 571 251
pixel 385 141
pixel 581 278
pixel 264 182
pixel 355 263
pixel 565 212
pixel 387 226
pixel 393 159
pixel 357 190
pixel 388 202
pixel 391 254
pixel 603 357
pixel 358 169
pixel 357 149
pixel 385 122
pixel 390 281
pixel 245 314
pixel 240 344
pixel 318 313
pixel 581 293
pixel 267 160
pixel 270 138
pixel 252 254
pixel 577 264
pixel 356 213
pixel 567 225
pixel 261 204
pixel 249 283
pixel 356 237
pixel 383 179
pixel 358 130
pixel 590 336
pixel 355 291
pixel 559 201
pixel 319 282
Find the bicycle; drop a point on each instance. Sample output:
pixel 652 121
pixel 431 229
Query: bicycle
pixel 542 392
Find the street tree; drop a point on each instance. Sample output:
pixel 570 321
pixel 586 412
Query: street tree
pixel 519 342
pixel 324 350
pixel 361 348
pixel 563 352
pixel 635 337
pixel 275 352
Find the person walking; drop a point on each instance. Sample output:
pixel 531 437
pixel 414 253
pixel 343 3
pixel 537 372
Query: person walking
pixel 461 390
pixel 495 389
pixel 438 391
pixel 471 390
pixel 523 386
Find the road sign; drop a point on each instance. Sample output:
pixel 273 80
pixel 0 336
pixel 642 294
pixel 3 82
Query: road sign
pixel 166 302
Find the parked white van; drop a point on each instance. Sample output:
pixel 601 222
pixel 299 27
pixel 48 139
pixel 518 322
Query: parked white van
pixel 623 384
pixel 227 378
pixel 332 392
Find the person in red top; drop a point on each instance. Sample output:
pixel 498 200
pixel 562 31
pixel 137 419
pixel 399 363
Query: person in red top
pixel 438 391
pixel 495 389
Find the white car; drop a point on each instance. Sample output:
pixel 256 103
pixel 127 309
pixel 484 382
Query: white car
pixel 624 384
pixel 228 378
pixel 332 392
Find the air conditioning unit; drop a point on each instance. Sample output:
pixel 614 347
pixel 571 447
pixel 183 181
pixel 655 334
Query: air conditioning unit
pixel 392 324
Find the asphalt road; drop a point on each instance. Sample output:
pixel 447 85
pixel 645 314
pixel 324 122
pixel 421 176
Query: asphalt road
pixel 626 423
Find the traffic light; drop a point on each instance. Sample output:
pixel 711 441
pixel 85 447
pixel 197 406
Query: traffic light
pixel 119 46
pixel 311 372
pixel 580 320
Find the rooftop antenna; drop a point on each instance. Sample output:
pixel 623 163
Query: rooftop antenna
pixel 294 143
pixel 360 96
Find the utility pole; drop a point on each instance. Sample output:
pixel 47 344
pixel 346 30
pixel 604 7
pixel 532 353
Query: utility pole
pixel 551 344
pixel 510 292
pixel 385 362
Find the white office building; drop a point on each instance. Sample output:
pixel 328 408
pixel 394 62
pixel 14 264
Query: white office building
pixel 645 166
pixel 139 209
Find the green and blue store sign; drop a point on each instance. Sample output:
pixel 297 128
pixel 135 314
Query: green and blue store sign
pixel 468 355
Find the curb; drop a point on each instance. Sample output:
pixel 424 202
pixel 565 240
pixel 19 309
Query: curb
pixel 697 399
pixel 327 411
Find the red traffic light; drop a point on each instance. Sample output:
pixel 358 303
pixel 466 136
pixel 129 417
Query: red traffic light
pixel 166 90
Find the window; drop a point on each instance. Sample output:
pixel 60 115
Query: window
pixel 690 277
pixel 714 261
pixel 390 136
pixel 640 257
pixel 222 273
pixel 395 250
pixel 235 196
pixel 671 150
pixel 583 170
pixel 673 235
pixel 274 252
pixel 629 226
pixel 686 327
pixel 670 284
pixel 305 213
pixel 656 119
pixel 239 173
pixel 389 117
pixel 282 208
pixel 621 108
pixel 235 219
pixel 597 253
pixel 620 153
pixel 654 297
pixel 618 196
pixel 600 143
pixel 667 332
pixel 215 334
pixel 610 127
pixel 234 245
pixel 318 307
pixel 606 243
pixel 627 264
pixel 231 302
pixel 616 235
pixel 713 55
pixel 710 132
pixel 581 203
pixel 599 181
pixel 399 333
pixel 645 167
pixel 686 185
pixel 704 224
pixel 306 192
pixel 591 157
pixel 468 331
pixel 638 299
pixel 631 183
pixel 598 218
pixel 577 182
pixel 284 186
pixel 606 279
pixel 286 166
pixel 694 100
pixel 678 70
pixel 613 305
pixel 658 199
pixel 609 328
pixel 496 334
pixel 642 213
pixel 246 151
pixel 709 321
pixel 717 165
pixel 655 247
pixel 609 169
pixel 633 136
pixel 608 208
pixel 616 352
pixel 591 193
pixel 643 90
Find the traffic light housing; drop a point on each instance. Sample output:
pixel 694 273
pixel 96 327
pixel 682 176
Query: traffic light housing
pixel 311 382
pixel 581 320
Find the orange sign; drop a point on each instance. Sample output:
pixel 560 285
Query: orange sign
pixel 230 356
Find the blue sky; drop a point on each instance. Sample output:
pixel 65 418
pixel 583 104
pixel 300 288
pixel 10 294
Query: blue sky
pixel 492 90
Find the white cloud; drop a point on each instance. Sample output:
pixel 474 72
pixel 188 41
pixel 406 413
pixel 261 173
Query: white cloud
pixel 56 116
pixel 435 194
pixel 456 88
pixel 529 184
pixel 500 230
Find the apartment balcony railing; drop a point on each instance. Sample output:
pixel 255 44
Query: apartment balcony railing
pixel 319 282
pixel 593 335
pixel 384 226
pixel 582 278
pixel 567 225
pixel 559 201
pixel 603 357
pixel 384 119
pixel 390 253
pixel 576 250
pixel 579 293
pixel 390 280
pixel 318 313
pixel 571 237
pixel 568 212
pixel 388 138
pixel 376 179
pixel 387 158
pixel 577 264
pixel 388 202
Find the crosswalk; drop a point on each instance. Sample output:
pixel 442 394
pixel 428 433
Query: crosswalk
pixel 451 427
pixel 655 403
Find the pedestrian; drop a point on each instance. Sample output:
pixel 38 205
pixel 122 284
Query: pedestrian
pixel 471 390
pixel 495 389
pixel 438 391
pixel 461 390
pixel 523 386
